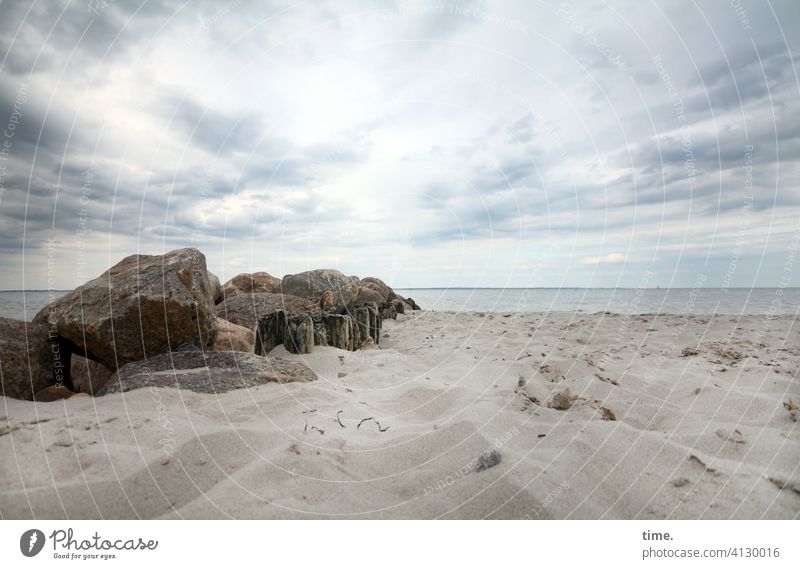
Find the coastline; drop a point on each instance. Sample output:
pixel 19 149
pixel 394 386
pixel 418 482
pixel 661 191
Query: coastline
pixel 665 416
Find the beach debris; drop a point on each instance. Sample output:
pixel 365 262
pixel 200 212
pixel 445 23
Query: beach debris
pixel 697 391
pixel 528 399
pixel 734 436
pixel 338 420
pixel 308 427
pixel 488 459
pixel 783 484
pixel 607 414
pixel 293 448
pixel 562 400
pixel 606 379
pixel 687 352
pixel 702 463
pixel 381 429
pixel 793 409
pixel 551 373
pixel 681 482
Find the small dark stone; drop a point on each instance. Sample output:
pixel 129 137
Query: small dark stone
pixel 488 459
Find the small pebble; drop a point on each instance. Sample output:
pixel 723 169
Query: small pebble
pixel 488 459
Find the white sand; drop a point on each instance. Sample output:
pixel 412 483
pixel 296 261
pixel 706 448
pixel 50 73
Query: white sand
pixel 446 387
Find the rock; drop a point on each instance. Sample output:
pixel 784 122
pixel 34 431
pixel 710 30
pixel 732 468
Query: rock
pixel 312 285
pixel 53 393
pixel 233 338
pixel 366 294
pixel 31 360
pixel 209 372
pixel 378 286
pixel 562 400
pixel 488 459
pixel 247 309
pixel 88 376
pixel 247 283
pixel 143 306
pixel 414 305
pixel 215 287
pixel 297 333
pixel 326 301
pixel 389 312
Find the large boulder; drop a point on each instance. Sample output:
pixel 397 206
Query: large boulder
pixel 142 306
pixel 32 358
pixel 88 376
pixel 379 287
pixel 215 287
pixel 367 294
pixel 247 283
pixel 247 309
pixel 312 284
pixel 233 338
pixel 208 372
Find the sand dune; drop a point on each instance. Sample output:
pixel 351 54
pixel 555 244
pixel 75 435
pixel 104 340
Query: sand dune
pixel 668 417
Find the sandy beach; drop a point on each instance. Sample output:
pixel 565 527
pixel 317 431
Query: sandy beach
pixel 592 416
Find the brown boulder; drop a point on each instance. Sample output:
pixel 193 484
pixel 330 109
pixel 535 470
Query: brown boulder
pixel 377 285
pixel 233 338
pixel 247 283
pixel 247 309
pixel 208 372
pixel 142 306
pixel 88 376
pixel 312 285
pixel 30 360
pixel 53 393
pixel 367 294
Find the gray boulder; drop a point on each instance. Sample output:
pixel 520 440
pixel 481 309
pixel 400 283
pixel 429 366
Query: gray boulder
pixel 209 372
pixel 312 284
pixel 247 309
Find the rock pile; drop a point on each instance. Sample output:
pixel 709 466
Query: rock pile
pixel 166 320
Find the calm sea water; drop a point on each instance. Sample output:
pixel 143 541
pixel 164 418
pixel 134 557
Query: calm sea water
pixel 24 305
pixel 619 300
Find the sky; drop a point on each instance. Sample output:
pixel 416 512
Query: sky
pixel 431 144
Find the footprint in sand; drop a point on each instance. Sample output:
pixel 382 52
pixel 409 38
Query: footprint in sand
pixel 551 373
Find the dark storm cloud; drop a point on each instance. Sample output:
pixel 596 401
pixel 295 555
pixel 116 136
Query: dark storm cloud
pixel 215 131
pixel 39 36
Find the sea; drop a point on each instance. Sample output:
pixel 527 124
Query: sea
pixel 23 305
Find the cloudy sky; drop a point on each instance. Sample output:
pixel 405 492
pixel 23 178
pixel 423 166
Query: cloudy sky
pixel 591 144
